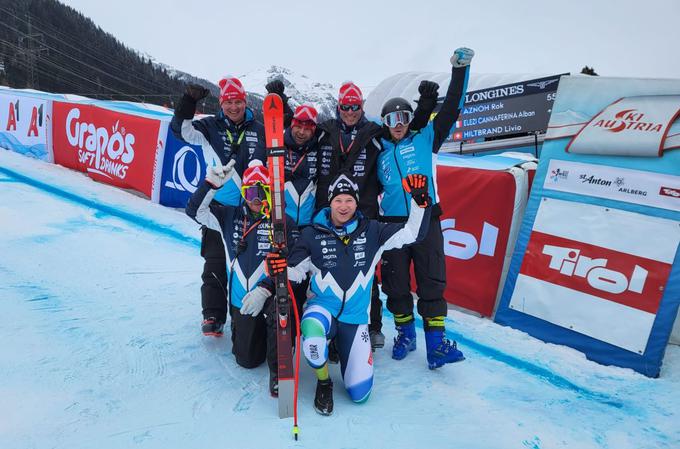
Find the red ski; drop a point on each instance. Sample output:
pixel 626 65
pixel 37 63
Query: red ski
pixel 273 125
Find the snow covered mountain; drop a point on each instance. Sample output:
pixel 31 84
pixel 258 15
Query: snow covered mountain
pixel 299 88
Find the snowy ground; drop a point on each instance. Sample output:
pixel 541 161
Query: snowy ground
pixel 99 318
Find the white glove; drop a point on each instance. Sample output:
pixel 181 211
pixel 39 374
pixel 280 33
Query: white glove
pixel 254 301
pixel 219 174
pixel 462 57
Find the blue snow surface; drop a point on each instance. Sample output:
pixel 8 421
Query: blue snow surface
pixel 99 324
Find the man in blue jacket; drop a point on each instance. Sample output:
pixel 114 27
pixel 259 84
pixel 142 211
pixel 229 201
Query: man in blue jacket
pixel 230 135
pixel 244 233
pixel 340 252
pixel 404 152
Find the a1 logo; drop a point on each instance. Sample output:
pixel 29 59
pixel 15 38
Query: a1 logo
pixel 465 246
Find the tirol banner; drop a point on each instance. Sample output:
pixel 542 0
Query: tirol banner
pixel 596 265
pixel 111 147
pixel 475 237
pixel 23 125
pixel 183 168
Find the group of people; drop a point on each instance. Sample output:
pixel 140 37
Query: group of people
pixel 356 192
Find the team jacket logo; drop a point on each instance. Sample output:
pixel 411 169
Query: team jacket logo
pixel 106 152
pixel 465 246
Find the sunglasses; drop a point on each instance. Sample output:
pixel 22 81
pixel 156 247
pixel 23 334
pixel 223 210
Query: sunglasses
pixel 397 118
pixel 350 107
pixel 255 192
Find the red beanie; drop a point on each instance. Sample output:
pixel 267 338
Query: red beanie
pixel 231 89
pixel 305 113
pixel 350 94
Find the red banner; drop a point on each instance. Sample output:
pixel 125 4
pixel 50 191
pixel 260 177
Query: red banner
pixel 111 147
pixel 478 207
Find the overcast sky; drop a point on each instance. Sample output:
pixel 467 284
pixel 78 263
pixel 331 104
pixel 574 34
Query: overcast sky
pixel 369 40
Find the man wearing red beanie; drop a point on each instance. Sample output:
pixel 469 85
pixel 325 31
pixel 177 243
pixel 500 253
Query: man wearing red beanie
pixel 231 134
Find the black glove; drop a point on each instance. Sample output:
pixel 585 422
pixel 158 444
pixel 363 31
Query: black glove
pixel 275 87
pixel 428 89
pixel 416 185
pixel 196 92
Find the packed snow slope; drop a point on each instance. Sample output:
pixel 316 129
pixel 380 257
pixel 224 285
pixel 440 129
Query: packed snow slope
pixel 99 324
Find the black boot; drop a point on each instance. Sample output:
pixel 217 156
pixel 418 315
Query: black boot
pixel 274 385
pixel 211 327
pixel 323 401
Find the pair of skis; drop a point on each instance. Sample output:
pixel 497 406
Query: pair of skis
pixel 274 126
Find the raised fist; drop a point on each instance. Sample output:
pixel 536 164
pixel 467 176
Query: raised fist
pixel 275 87
pixel 462 57
pixel 196 92
pixel 428 89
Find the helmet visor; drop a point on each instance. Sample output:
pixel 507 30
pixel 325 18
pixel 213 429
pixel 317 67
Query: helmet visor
pixel 397 117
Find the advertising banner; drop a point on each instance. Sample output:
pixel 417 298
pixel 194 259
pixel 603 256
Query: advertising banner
pixel 23 125
pixel 111 147
pixel 596 265
pixel 475 238
pixel 183 168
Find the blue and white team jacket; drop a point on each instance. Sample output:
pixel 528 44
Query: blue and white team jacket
pixel 245 268
pixel 342 270
pixel 300 175
pixel 221 141
pixel 417 152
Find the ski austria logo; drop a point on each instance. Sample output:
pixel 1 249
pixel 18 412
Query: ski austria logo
pixel 465 246
pixel 630 119
pixel 184 159
pixel 108 152
pixel 630 126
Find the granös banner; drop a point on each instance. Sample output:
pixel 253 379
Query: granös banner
pixel 23 125
pixel 111 147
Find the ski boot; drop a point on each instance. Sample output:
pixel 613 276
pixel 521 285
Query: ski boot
pixel 323 400
pixel 377 339
pixel 274 385
pixel 405 341
pixel 441 350
pixel 212 328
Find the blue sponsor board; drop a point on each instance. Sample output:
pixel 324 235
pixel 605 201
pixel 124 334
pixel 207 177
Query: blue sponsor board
pixel 183 169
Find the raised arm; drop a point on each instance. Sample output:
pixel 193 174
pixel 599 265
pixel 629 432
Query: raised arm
pixel 198 206
pixel 455 96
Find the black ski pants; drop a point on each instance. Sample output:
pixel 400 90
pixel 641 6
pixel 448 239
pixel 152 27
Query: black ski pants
pixel 214 289
pixel 430 272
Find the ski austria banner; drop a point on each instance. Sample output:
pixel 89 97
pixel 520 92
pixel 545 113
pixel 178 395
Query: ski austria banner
pixel 23 125
pixel 596 265
pixel 183 169
pixel 111 147
pixel 476 239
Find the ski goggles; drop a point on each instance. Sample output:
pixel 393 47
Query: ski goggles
pixel 350 107
pixel 397 118
pixel 256 192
